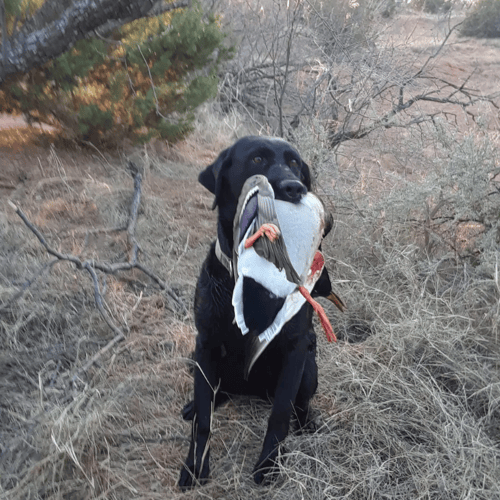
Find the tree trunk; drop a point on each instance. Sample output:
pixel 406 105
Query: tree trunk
pixel 59 24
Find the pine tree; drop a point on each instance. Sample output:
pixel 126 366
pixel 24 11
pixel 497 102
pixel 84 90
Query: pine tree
pixel 145 82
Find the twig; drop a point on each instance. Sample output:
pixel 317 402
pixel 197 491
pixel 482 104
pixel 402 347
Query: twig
pixel 436 53
pixel 134 210
pixel 98 354
pixel 41 239
pixel 99 300
pixel 163 286
pixel 91 266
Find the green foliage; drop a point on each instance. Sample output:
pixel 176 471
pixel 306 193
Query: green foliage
pixel 74 64
pixel 92 121
pixel 483 20
pixel 20 10
pixel 145 83
pixel 12 7
pixel 437 6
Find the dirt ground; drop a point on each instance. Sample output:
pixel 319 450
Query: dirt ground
pixel 80 198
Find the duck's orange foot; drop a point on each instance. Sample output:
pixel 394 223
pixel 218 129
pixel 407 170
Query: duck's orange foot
pixel 325 322
pixel 270 230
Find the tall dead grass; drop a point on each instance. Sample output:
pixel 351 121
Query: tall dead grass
pixel 408 399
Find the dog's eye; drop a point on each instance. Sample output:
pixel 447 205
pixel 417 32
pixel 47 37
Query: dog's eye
pixel 294 166
pixel 257 159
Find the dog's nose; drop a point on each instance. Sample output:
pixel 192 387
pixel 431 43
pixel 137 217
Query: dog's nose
pixel 292 190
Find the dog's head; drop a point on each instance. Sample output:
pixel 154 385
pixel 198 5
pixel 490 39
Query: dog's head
pixel 272 157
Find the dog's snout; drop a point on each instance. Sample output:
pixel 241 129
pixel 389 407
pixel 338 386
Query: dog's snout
pixel 292 190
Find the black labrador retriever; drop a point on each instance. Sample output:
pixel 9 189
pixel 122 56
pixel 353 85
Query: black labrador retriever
pixel 287 370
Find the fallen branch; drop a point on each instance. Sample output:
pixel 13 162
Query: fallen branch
pixel 134 210
pixel 100 302
pixel 102 266
pixel 91 266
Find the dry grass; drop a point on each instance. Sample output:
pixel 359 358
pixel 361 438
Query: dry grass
pixel 408 398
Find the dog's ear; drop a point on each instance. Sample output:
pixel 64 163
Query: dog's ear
pixel 306 172
pixel 211 177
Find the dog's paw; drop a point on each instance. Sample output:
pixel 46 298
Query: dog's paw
pixel 309 423
pixel 186 479
pixel 188 411
pixel 263 471
pixel 266 470
pixel 191 478
pixel 258 476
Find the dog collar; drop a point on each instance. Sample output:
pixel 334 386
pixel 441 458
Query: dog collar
pixel 223 258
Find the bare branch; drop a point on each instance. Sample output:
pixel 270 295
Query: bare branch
pixel 102 266
pixel 387 120
pixel 118 338
pixel 41 239
pixel 422 69
pixel 288 67
pixel 134 210
pixel 100 302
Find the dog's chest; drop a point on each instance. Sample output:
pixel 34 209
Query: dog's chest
pixel 214 292
pixel 220 293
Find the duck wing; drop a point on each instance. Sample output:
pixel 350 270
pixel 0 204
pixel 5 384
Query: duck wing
pixel 256 210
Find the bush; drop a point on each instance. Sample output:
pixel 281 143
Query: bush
pixel 433 6
pixel 483 20
pixel 144 83
pixel 437 6
pixel 454 210
pixel 344 25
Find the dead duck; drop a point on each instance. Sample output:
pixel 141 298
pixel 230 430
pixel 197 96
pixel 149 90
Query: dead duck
pixel 277 262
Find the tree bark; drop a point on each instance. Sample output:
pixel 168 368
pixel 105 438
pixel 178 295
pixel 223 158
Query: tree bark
pixel 59 24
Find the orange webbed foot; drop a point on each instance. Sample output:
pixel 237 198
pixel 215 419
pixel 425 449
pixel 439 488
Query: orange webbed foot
pixel 270 230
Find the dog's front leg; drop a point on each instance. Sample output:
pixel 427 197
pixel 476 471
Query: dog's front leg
pixel 196 466
pixel 284 398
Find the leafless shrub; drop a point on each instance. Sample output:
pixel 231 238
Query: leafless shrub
pixel 331 61
pixel 454 207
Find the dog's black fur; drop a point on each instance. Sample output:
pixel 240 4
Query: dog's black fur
pixel 287 369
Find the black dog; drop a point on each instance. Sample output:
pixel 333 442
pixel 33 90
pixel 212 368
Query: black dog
pixel 287 369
